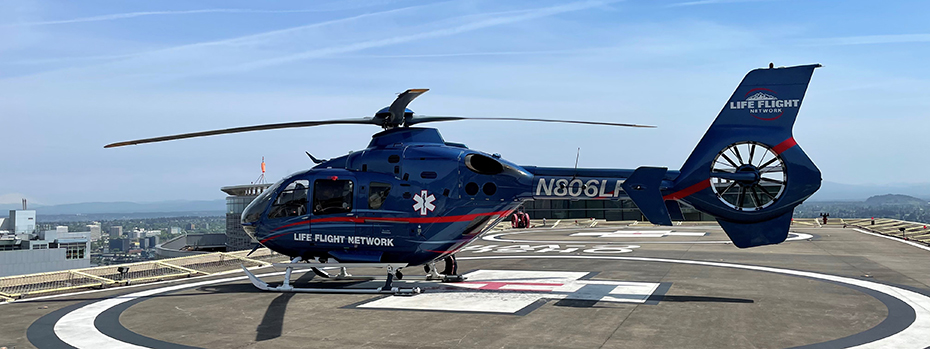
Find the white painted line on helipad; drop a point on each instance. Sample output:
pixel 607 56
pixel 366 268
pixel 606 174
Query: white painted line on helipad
pixel 640 234
pixel 499 238
pixel 77 327
pixel 510 291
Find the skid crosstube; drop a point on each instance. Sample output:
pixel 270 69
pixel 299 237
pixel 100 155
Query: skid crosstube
pixel 388 288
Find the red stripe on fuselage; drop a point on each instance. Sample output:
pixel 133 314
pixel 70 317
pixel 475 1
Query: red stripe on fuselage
pixel 787 144
pixel 688 191
pixel 419 220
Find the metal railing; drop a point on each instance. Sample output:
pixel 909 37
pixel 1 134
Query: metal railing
pixel 911 231
pixel 30 285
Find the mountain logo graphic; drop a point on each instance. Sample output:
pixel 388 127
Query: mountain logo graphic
pixel 764 104
pixel 761 96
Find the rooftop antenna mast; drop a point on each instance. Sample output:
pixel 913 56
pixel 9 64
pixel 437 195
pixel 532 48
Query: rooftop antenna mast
pixel 261 179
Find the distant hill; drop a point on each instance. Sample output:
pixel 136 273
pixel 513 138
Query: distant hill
pixel 894 199
pixel 85 208
pixel 832 191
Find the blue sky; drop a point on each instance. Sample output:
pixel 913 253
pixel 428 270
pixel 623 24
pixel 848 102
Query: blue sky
pixel 77 75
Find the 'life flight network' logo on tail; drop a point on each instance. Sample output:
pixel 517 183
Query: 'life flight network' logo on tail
pixel 763 104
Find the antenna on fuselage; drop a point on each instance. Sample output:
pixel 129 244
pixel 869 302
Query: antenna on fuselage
pixel 315 160
pixel 577 155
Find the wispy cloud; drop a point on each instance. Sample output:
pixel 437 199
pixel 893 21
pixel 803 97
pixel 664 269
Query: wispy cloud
pixel 472 26
pixel 236 41
pixel 118 16
pixel 870 40
pixel 70 59
pixel 709 2
pixel 476 54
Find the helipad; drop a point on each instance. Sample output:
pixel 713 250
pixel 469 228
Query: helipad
pixel 571 286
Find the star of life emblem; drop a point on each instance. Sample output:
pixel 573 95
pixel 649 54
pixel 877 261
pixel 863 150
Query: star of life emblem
pixel 424 202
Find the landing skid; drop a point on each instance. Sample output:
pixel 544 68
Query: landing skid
pixel 392 270
pixel 448 274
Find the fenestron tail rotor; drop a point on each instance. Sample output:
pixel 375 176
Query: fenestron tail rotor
pixel 748 176
pixel 396 115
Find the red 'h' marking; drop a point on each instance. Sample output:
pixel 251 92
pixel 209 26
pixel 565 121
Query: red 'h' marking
pixel 787 144
pixel 688 191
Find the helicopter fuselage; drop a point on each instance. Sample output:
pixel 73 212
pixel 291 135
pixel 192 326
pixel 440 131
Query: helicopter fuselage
pixel 409 197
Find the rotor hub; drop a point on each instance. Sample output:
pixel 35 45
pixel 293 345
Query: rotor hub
pixel 749 168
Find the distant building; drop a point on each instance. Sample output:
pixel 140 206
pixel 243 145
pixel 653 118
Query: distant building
pixel 174 230
pixel 239 197
pixel 23 250
pixel 94 231
pixel 20 222
pixel 191 244
pixel 119 245
pixel 116 231
pixel 190 226
pixel 148 242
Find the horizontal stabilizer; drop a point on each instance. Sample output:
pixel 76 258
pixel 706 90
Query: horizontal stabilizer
pixel 770 232
pixel 643 188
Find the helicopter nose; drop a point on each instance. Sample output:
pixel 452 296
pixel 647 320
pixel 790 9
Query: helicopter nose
pixel 249 229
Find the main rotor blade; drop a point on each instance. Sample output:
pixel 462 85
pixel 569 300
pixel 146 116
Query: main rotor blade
pixel 416 119
pixel 365 121
pixel 399 107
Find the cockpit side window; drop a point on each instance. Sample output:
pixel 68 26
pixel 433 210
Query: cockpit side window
pixel 377 193
pixel 292 201
pixel 332 196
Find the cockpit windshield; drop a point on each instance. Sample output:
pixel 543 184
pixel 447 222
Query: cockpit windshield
pixel 253 212
pixel 292 201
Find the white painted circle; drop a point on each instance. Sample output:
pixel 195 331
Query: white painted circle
pixel 77 327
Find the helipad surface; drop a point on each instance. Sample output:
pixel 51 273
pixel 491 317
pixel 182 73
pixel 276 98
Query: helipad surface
pixel 626 287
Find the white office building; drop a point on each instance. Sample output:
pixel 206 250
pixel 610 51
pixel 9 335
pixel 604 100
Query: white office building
pixel 24 250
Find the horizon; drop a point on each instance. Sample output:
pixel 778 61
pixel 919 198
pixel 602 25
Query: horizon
pixel 76 77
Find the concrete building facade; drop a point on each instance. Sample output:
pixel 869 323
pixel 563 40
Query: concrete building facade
pixel 116 231
pixel 23 250
pixel 239 197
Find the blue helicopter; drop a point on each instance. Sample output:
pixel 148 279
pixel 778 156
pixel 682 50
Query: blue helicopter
pixel 411 198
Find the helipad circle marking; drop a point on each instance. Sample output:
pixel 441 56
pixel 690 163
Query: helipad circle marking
pixel 76 328
pixel 792 236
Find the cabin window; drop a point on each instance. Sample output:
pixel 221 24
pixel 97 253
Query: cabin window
pixel 332 196
pixel 377 193
pixel 292 201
